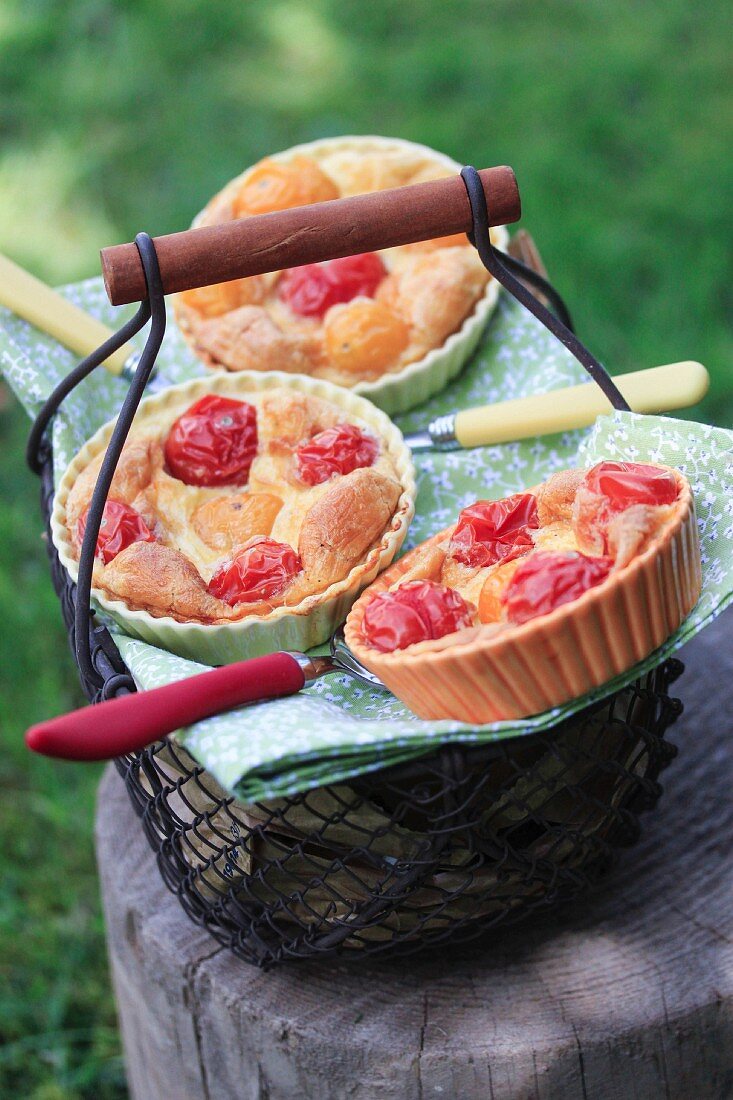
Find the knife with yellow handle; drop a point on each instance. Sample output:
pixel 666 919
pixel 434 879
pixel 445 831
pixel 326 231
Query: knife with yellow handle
pixel 659 389
pixel 45 309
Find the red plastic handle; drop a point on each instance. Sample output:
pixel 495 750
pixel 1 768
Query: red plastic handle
pixel 133 721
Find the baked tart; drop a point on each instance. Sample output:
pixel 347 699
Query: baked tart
pixel 395 325
pixel 245 515
pixel 527 602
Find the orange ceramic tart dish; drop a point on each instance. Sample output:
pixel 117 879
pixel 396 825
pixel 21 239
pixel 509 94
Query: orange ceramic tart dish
pixel 230 506
pixel 526 603
pixel 351 320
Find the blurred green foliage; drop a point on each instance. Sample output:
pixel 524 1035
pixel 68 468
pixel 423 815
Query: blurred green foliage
pixel 120 116
pixel 117 117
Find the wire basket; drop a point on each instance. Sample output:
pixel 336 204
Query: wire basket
pixel 443 848
pixel 461 841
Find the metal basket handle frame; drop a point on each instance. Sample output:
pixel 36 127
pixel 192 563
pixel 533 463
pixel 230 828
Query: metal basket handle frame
pixel 500 269
pixel 152 308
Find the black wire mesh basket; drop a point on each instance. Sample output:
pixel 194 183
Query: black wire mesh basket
pixel 444 848
pixel 440 849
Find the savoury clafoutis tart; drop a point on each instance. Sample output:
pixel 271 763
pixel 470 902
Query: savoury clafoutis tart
pixel 527 602
pixel 359 321
pixel 239 503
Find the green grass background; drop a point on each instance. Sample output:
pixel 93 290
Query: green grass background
pixel 116 117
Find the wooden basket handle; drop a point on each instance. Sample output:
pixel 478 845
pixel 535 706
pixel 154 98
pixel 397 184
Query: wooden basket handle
pixel 309 234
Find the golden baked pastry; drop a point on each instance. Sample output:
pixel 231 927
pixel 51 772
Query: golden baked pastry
pixel 232 506
pixel 531 600
pixel 351 320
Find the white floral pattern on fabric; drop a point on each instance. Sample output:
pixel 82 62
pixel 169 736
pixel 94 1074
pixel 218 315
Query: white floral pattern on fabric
pixel 339 728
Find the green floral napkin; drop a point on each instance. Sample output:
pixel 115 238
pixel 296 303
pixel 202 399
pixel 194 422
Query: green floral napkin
pixel 339 728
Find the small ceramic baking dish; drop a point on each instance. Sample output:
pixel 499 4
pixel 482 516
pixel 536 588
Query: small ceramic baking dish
pixel 395 390
pixel 479 675
pixel 297 627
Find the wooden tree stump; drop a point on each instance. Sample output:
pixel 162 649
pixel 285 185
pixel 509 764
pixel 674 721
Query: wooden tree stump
pixel 628 994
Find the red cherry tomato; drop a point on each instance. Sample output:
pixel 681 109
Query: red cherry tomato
pixel 121 525
pixel 313 288
pixel 417 611
pixel 495 530
pixel 337 450
pixel 356 275
pixel 307 290
pixel 627 483
pixel 259 570
pixel 213 443
pixel 548 579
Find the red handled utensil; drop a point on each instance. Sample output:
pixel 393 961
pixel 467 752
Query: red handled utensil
pixel 130 722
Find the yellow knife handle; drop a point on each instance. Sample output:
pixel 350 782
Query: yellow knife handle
pixel 48 311
pixel 658 389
